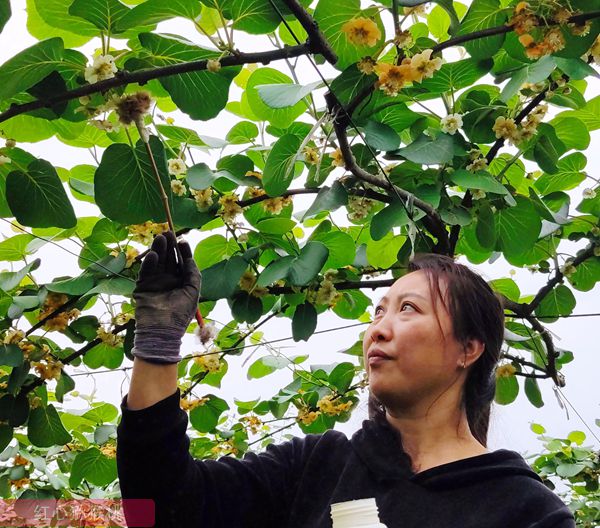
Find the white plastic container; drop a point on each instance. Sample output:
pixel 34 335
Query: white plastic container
pixel 362 513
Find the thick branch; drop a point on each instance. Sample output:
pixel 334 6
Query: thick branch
pixel 433 221
pixel 143 76
pixel 316 40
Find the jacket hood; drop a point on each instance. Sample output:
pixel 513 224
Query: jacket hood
pixel 378 446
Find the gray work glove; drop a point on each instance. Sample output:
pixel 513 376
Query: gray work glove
pixel 166 299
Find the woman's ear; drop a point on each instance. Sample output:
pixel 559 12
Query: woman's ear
pixel 473 348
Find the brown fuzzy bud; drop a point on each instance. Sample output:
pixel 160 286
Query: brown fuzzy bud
pixel 131 108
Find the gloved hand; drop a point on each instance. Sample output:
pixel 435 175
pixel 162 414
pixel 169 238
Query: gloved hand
pixel 166 300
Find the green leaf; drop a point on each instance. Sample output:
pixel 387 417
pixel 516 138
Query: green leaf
pixel 538 429
pixel 559 301
pixel 352 304
pixel 341 376
pixel 11 355
pixel 15 248
pixel 41 30
pixel 575 68
pixel 456 75
pixel 587 275
pixel 246 308
pixel 205 418
pixel 242 132
pixel 533 393
pixel 210 251
pixel 200 94
pixel 486 227
pixel 154 11
pixel 221 280
pixel 479 180
pixel 279 169
pixel 568 175
pixel 332 15
pixel 279 117
pixel 308 263
pixel 428 151
pixel 341 247
pixel 64 385
pixel 506 287
pixel 381 136
pixel 94 467
pixel 276 270
pixel 105 412
pixel 29 67
pixel 483 14
pixel 384 221
pixel 284 95
pixel 532 73
pixel 125 185
pixel 383 253
pixel 37 197
pixel 5 14
pixel 114 286
pixel 11 279
pixel 328 199
pixel 104 14
pixel 577 437
pixel 6 435
pixel 518 227
pixel 507 389
pixel 44 428
pixel 304 322
pixel 572 132
pixel 275 226
pixel 567 470
pixel 589 114
pixel 259 369
pixel 55 13
pixel 75 286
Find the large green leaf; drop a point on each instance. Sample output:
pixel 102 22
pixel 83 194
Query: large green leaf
pixel 331 15
pixel 480 180
pixel 279 169
pixel 104 14
pixel 5 13
pixel 37 197
pixel 125 186
pixel 41 30
pixel 533 393
pixel 483 14
pixel 281 117
pixel 532 73
pixel 308 263
pixel 589 114
pixel 220 280
pixel 304 322
pixel 559 301
pixel 154 11
pixel 200 94
pixel 284 95
pixel 44 428
pixel 341 246
pixel 568 176
pixel 428 151
pixel 518 227
pixel 507 389
pixel 205 418
pixel 328 199
pixel 94 467
pixel 29 67
pixel 456 75
pixel 55 13
pixel 572 132
pixel 587 275
pixel 384 221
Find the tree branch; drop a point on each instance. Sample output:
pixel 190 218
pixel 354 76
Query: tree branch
pixel 143 76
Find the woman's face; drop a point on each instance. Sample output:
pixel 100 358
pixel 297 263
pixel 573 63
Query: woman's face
pixel 423 359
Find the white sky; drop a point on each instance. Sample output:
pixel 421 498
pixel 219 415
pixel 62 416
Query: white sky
pixel 509 425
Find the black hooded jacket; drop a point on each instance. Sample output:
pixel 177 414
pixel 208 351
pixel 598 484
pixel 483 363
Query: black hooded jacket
pixel 293 484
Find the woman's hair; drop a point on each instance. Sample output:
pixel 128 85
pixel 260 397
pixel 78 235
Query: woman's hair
pixel 476 313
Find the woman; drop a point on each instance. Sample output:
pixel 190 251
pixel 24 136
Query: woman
pixel 430 355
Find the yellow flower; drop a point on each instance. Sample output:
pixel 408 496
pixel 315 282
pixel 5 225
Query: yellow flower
pixel 144 233
pixel 213 65
pixel 554 40
pixel 328 406
pixel 366 65
pixel 188 405
pixel 109 451
pixel 404 39
pixel 327 294
pixel 50 369
pixel 178 188
pixel 311 155
pixel 108 338
pixel 362 31
pixel 203 198
pixel 595 50
pixel 505 128
pixel 338 158
pixel 306 416
pixel 122 318
pixel 451 123
pixel 477 165
pixel 130 255
pixel 14 337
pixel 230 208
pixel 255 174
pixel 424 66
pixel 252 422
pixel 392 78
pixel 505 371
pixel 102 68
pixel 209 362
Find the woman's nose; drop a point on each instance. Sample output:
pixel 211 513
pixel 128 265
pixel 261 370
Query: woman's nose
pixel 380 331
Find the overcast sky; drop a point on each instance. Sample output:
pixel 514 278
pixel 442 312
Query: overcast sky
pixel 509 425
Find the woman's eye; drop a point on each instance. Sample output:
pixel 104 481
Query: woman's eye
pixel 377 309
pixel 407 305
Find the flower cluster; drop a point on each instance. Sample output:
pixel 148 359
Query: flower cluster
pixel 101 69
pixel 327 294
pixel 225 448
pixel 203 198
pixel 13 337
pixel 392 78
pixel 328 406
pixel 145 233
pixel 230 208
pixel 337 158
pixel 130 255
pixel 535 23
pixel 306 416
pixel 568 269
pixel 505 371
pixel 108 338
pixel 122 318
pixel 109 450
pixel 60 321
pixel 248 284
pixel 209 362
pixel 252 422
pixel 49 368
pixel 478 161
pixel 359 208
pixel 20 483
pixel 276 205
pixel 188 405
pixel 362 31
